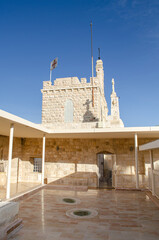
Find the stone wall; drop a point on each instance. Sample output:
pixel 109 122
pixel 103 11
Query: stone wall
pixel 53 107
pixel 74 161
pixel 80 93
pixel 22 159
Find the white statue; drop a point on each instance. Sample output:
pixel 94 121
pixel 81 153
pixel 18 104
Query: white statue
pixel 113 89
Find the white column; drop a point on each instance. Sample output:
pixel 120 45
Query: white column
pixel 136 162
pixel 9 160
pixel 43 161
pixel 152 175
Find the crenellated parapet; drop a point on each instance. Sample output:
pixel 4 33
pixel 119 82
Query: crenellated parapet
pixel 73 100
pixel 70 82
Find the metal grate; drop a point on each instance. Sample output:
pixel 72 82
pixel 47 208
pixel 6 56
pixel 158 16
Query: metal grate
pixel 37 165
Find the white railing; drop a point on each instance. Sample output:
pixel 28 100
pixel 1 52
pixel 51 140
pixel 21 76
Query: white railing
pixel 156 181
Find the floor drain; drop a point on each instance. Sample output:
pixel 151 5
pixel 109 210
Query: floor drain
pixel 69 200
pixel 81 213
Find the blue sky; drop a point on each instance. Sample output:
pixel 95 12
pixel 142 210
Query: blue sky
pixel 34 32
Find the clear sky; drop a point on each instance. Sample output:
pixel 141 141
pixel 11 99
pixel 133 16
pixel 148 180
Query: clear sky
pixel 34 32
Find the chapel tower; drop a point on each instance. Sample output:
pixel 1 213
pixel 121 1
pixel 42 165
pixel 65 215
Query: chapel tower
pixel 74 103
pixel 100 74
pixel 115 113
pixel 114 103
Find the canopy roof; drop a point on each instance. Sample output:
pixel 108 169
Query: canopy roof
pixel 126 132
pixel 27 129
pixel 23 128
pixel 149 146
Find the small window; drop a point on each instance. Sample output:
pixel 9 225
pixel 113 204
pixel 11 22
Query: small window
pixel 68 111
pixel 37 165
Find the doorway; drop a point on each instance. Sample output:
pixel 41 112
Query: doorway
pixel 106 164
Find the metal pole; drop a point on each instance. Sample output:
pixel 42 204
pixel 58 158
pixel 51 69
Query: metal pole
pixel 92 66
pixel 43 161
pixel 92 50
pixel 9 160
pixel 50 75
pixel 99 53
pixel 152 175
pixel 136 162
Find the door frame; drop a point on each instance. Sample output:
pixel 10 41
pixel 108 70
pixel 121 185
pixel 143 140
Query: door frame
pixel 114 179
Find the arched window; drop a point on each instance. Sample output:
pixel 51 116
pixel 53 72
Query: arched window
pixel 68 111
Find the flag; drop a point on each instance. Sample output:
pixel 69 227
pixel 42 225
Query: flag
pixel 54 64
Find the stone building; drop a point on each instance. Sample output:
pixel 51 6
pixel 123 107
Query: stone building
pixel 78 143
pixel 73 103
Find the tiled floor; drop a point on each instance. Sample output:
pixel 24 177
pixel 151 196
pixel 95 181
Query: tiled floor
pixel 17 188
pixel 122 215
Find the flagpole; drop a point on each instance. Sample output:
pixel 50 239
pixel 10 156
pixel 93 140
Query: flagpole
pixel 50 74
pixel 92 67
pixel 53 65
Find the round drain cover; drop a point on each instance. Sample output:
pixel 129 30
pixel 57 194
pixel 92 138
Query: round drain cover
pixel 69 200
pixel 82 213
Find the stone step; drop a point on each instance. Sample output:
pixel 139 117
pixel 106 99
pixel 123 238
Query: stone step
pixel 9 220
pixel 66 187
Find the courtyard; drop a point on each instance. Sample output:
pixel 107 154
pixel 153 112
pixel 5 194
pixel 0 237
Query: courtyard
pixel 121 215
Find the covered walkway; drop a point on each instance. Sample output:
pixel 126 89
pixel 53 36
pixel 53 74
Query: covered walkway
pixel 121 215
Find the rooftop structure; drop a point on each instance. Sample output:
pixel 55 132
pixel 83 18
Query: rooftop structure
pixel 78 145
pixel 74 103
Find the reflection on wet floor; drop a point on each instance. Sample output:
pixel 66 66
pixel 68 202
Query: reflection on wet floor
pixel 17 188
pixel 121 215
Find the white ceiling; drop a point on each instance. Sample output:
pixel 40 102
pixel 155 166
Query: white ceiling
pixel 22 127
pixel 27 129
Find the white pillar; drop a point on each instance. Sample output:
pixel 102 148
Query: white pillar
pixel 9 160
pixel 43 161
pixel 152 175
pixel 136 162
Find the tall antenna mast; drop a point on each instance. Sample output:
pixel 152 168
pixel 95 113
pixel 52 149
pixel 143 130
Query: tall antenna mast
pixel 98 53
pixel 92 67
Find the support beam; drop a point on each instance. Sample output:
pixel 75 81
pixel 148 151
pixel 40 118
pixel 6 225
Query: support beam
pixel 43 161
pixel 9 160
pixel 136 162
pixel 152 175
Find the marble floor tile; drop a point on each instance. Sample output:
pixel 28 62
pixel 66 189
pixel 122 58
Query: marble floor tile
pixel 121 215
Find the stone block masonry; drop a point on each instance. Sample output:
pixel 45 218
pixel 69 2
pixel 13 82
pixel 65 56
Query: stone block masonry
pixel 71 100
pixel 74 161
